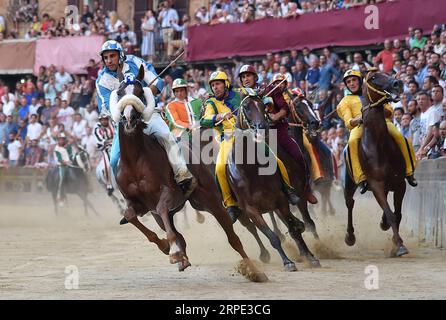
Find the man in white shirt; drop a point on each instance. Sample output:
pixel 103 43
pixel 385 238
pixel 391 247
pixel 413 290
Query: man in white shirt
pixel 90 115
pixel 79 127
pixel 65 116
pixel 34 128
pixel 167 16
pixel 437 99
pixel 62 77
pixel 14 149
pixel 34 106
pixel 428 118
pixel 8 103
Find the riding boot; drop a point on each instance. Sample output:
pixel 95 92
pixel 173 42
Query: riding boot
pixel 363 186
pixel 412 181
pixel 234 212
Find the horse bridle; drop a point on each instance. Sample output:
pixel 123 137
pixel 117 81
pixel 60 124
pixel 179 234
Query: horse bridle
pixel 385 95
pixel 243 119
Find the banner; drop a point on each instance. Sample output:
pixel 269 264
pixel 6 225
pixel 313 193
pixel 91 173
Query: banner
pixel 71 52
pixel 362 25
pixel 17 56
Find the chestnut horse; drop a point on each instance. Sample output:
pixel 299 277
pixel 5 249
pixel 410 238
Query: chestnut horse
pixel 259 193
pixel 146 180
pixel 380 158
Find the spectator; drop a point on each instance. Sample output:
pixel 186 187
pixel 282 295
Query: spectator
pixel 65 115
pixel 442 138
pixel 202 16
pixel 358 60
pixel 419 41
pixel 178 44
pixel 328 74
pixel 405 125
pixel 437 99
pixel 33 154
pixel 50 90
pixel 91 115
pixel 428 118
pixel 397 117
pixel 3 128
pixel 24 109
pixel 62 78
pixel 440 47
pixel 313 76
pixel 308 56
pixel 34 129
pixel 148 27
pixel 14 150
pixel 8 102
pixel 79 126
pixel 167 16
pixel 415 125
pixel 386 57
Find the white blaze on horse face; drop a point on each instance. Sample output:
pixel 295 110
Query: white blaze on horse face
pixel 127 113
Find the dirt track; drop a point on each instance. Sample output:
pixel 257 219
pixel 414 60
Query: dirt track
pixel 117 262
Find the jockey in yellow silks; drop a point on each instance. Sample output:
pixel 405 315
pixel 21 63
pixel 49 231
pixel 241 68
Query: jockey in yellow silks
pixel 220 113
pixel 349 110
pixel 248 78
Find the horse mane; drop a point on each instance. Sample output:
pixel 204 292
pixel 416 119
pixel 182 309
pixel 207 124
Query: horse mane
pixel 117 105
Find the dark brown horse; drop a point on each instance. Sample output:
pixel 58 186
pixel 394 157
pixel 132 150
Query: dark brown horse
pixel 308 124
pixel 146 181
pixel 259 193
pixel 380 158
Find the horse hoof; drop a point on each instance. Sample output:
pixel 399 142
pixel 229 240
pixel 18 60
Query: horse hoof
pixel 182 265
pixel 384 226
pixel 290 267
pixel 402 250
pixel 123 221
pixel 350 240
pixel 313 262
pixel 265 257
pixel 176 257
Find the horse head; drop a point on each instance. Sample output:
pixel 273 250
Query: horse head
pixel 380 88
pixel 252 117
pixel 132 103
pixel 303 108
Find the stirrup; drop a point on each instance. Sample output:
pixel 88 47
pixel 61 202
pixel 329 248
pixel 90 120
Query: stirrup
pixel 412 181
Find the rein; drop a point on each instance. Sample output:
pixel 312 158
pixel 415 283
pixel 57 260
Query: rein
pixel 384 95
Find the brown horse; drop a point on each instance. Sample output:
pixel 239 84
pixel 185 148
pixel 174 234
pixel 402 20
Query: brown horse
pixel 257 193
pixel 380 158
pixel 302 112
pixel 146 180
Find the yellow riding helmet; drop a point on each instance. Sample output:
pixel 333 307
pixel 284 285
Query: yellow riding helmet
pixel 219 75
pixel 352 73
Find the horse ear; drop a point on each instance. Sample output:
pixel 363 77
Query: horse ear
pixel 140 75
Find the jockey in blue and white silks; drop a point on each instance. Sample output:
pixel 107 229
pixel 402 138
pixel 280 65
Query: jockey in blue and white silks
pixel 114 57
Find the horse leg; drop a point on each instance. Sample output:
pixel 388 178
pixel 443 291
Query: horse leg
pixel 331 209
pixel 309 223
pixel 398 197
pixel 265 257
pixel 380 196
pixel 56 206
pixel 260 223
pixel 162 208
pixel 349 191
pixel 130 216
pixel 384 224
pixel 276 227
pixel 296 228
pixel 184 263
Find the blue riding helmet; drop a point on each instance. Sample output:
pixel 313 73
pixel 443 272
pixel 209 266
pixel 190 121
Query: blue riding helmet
pixel 112 45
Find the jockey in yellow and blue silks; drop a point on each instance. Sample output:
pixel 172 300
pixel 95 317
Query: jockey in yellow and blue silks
pixel 114 57
pixel 248 78
pixel 349 110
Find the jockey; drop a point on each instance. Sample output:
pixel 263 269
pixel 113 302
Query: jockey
pixel 219 114
pixel 63 160
pixel 183 113
pixel 103 133
pixel 316 169
pixel 113 57
pixel 349 110
pixel 248 78
pixel 278 111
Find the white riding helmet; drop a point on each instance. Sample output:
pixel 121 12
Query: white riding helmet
pixel 112 45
